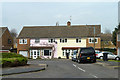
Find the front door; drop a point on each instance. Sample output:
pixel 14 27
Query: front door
pixel 34 54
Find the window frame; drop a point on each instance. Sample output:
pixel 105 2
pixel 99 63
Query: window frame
pixel 22 41
pixel 51 40
pixel 78 40
pixel 37 40
pixel 63 40
pixel 91 40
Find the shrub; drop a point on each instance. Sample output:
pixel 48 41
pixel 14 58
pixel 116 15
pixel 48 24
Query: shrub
pixel 13 59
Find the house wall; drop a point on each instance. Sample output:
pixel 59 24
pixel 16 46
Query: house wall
pixel 71 42
pixel 23 47
pixel 44 43
pixel 97 45
pixel 4 40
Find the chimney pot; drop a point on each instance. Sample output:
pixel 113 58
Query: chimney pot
pixel 68 24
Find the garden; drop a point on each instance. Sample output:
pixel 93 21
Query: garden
pixel 12 60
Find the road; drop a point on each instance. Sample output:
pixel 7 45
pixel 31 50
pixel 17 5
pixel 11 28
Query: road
pixel 68 69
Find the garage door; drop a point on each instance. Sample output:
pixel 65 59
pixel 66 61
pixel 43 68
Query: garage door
pixel 24 53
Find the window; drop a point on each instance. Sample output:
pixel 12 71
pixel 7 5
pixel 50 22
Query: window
pixel 91 40
pixel 63 40
pixel 37 40
pixel 9 41
pixel 51 40
pixel 47 53
pixel 22 41
pixel 78 40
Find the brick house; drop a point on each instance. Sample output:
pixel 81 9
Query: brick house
pixel 56 41
pixel 118 43
pixel 6 40
pixel 107 41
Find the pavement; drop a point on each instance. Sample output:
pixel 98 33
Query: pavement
pixel 23 69
pixel 62 68
pixel 109 64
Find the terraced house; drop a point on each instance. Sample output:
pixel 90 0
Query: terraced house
pixel 56 41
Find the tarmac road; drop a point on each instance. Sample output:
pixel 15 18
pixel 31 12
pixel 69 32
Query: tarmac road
pixel 64 68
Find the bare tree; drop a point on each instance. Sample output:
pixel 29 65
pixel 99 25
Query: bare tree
pixel 13 32
pixel 107 31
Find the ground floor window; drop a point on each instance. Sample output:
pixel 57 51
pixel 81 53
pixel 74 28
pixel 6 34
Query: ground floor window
pixel 69 51
pixel 47 52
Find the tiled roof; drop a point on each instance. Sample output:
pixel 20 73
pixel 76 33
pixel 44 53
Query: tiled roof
pixel 59 31
pixel 2 30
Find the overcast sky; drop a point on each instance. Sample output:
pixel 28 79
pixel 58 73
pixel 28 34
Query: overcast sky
pixel 17 14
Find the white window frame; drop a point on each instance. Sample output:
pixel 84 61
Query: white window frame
pixel 21 41
pixel 63 40
pixel 49 52
pixel 49 40
pixel 79 40
pixel 92 40
pixel 37 40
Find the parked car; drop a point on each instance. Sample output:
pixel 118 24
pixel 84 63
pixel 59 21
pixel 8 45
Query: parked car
pixel 74 55
pixel 86 54
pixel 97 52
pixel 110 55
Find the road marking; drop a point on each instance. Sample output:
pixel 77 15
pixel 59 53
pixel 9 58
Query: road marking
pixel 74 65
pixel 81 69
pixel 93 75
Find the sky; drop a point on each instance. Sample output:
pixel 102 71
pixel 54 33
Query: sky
pixel 19 14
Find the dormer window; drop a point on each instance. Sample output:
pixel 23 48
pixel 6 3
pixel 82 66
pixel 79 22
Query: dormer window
pixel 9 41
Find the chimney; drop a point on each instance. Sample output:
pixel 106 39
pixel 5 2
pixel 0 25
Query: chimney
pixel 68 24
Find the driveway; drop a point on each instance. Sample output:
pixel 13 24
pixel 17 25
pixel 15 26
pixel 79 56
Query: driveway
pixel 63 68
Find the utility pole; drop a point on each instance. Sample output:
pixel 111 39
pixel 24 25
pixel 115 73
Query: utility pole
pixel 94 37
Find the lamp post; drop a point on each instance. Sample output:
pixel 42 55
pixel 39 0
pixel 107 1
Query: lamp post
pixel 94 37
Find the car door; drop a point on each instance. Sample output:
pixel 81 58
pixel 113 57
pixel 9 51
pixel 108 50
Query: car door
pixel 110 56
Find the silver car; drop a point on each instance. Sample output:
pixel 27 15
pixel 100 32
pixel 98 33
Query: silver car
pixel 110 56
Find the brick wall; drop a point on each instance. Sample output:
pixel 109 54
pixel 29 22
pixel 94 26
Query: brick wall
pixel 97 45
pixel 23 47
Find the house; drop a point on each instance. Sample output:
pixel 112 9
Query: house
pixel 56 41
pixel 106 41
pixel 118 43
pixel 6 40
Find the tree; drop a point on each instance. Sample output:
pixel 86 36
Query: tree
pixel 13 33
pixel 114 36
pixel 107 31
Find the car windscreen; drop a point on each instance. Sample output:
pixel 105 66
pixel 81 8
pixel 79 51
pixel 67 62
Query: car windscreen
pixel 87 50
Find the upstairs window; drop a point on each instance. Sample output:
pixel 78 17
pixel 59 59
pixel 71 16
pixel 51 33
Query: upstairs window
pixel 51 40
pixel 22 41
pixel 78 40
pixel 9 41
pixel 63 40
pixel 91 40
pixel 37 40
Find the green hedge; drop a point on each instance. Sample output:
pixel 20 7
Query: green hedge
pixel 13 59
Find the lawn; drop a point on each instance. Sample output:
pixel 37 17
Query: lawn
pixel 109 60
pixel 12 59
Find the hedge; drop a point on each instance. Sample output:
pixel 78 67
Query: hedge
pixel 13 59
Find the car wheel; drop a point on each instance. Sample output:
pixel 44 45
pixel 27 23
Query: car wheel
pixel 117 58
pixel 101 57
